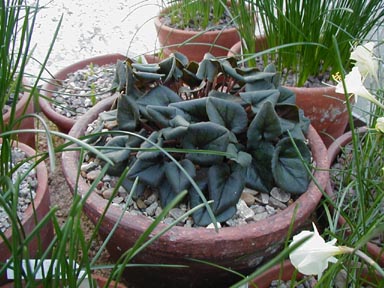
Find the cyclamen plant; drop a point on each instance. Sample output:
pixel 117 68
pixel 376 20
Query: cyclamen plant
pixel 227 127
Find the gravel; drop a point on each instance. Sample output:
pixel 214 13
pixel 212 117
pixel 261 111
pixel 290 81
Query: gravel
pixel 82 89
pixel 27 188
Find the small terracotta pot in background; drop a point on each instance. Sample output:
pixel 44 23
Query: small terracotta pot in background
pixel 322 105
pixel 64 124
pixel 334 150
pixel 24 106
pixel 216 42
pixel 32 215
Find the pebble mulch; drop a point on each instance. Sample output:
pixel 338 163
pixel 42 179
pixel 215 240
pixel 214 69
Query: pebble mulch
pixel 83 89
pixel 26 189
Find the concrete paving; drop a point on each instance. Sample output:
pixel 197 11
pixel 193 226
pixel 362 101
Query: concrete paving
pixel 93 27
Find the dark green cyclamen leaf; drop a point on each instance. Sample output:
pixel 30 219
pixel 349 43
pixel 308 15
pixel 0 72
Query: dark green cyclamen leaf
pixel 156 155
pixel 305 122
pixel 240 157
pixel 150 173
pixel 135 140
pixel 275 80
pixel 228 114
pixel 166 193
pixel 259 176
pixel 194 109
pixel 288 111
pixel 120 77
pixel 159 96
pixel 147 76
pixel 206 136
pixel 173 66
pixel 226 96
pixel 189 75
pixel 208 69
pixel 177 178
pixel 289 171
pixel 286 96
pixel 179 120
pixel 161 115
pixel 127 113
pixel 181 59
pixel 174 133
pixel 265 125
pixel 110 115
pixel 201 216
pixel 144 67
pixel 128 186
pixel 225 186
pixel 118 151
pixel 229 69
pixel 257 98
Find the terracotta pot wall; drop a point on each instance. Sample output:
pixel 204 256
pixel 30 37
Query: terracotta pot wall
pixel 242 248
pixel 23 107
pixel 42 207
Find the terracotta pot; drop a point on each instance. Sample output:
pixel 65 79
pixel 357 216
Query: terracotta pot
pixel 334 150
pixel 64 124
pixel 282 272
pixel 217 42
pixel 241 248
pixel 32 215
pixel 322 105
pixel 24 106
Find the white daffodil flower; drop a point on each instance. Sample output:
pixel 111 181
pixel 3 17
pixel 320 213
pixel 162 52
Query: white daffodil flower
pixel 380 124
pixel 365 60
pixel 355 86
pixel 312 256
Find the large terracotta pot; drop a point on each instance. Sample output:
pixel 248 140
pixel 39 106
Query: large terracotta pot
pixel 63 123
pixel 322 105
pixel 240 248
pixel 334 150
pixel 217 42
pixel 24 106
pixel 32 216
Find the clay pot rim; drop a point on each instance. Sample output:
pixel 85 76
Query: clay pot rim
pixel 160 25
pixel 308 200
pixel 42 187
pixel 65 122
